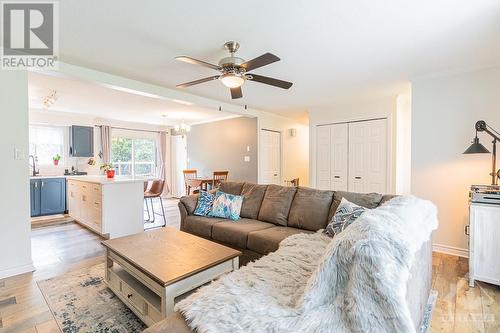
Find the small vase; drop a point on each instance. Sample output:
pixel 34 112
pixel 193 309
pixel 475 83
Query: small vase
pixel 110 173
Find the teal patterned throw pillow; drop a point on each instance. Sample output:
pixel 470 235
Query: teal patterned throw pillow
pixel 226 206
pixel 205 202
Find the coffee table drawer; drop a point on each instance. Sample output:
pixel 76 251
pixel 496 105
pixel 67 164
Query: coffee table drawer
pixel 134 298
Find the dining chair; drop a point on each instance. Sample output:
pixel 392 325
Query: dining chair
pixel 154 190
pixel 219 176
pixel 189 174
pixel 294 182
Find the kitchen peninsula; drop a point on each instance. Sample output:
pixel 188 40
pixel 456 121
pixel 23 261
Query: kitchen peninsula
pixel 109 207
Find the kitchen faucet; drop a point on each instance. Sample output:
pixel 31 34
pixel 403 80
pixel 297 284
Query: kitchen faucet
pixel 34 173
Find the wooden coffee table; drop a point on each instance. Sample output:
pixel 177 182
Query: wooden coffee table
pixel 147 271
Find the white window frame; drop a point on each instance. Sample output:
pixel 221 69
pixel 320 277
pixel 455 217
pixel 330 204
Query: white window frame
pixel 63 130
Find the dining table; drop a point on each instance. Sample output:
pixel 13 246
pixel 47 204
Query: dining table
pixel 198 182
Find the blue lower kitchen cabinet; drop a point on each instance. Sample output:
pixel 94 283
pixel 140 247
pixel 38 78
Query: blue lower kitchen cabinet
pixel 48 196
pixel 35 197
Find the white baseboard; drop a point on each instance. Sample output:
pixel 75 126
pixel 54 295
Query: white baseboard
pixel 456 251
pixel 17 270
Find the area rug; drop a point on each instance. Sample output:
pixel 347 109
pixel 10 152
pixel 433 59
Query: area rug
pixel 81 303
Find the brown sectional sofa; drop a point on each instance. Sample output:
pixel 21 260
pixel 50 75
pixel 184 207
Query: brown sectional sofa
pixel 270 213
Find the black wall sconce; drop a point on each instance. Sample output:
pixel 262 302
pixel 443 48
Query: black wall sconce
pixel 477 148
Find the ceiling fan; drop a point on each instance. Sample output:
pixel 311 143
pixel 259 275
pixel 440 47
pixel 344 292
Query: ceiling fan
pixel 234 71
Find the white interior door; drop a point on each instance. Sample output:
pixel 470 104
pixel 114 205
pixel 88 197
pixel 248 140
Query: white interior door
pixel 368 156
pixel 270 160
pixel 323 160
pixel 179 163
pixel 339 157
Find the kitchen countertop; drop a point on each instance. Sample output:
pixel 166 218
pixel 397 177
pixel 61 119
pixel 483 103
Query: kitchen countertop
pixel 47 176
pixel 103 180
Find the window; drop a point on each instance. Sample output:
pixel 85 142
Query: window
pixel 133 156
pixel 46 142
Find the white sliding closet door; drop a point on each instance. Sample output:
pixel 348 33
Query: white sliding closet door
pixel 339 157
pixel 323 171
pixel 368 156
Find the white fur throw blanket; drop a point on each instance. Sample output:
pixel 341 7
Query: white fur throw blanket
pixel 353 283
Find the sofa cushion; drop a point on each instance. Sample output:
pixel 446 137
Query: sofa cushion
pixel 200 225
pixel 190 202
pixel 310 209
pixel 253 196
pixel 367 200
pixel 268 240
pixel 236 233
pixel 387 197
pixel 276 204
pixel 231 187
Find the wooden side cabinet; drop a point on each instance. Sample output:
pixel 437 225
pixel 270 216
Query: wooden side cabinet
pixel 484 243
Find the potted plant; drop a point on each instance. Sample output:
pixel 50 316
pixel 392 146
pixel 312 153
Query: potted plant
pixel 56 159
pixel 109 170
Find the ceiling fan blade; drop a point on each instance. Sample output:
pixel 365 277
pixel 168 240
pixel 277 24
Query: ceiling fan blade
pixel 197 62
pixel 192 83
pixel 236 93
pixel 263 60
pixel 270 81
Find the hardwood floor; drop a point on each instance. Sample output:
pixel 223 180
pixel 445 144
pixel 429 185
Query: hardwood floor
pixel 61 248
pixel 56 250
pixel 460 308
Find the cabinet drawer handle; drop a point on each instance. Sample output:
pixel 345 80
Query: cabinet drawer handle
pixel 96 203
pixel 43 183
pixel 336 176
pixel 357 177
pixel 36 184
pixel 467 230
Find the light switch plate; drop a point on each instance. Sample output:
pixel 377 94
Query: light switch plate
pixel 246 158
pixel 19 154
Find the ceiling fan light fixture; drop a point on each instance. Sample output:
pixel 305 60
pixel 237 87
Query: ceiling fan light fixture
pixel 232 80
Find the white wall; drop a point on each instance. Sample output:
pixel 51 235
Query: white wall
pixel 295 150
pixel 402 183
pixel 346 111
pixel 15 246
pixel 444 112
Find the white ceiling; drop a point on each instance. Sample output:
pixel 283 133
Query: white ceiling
pixel 92 99
pixel 330 49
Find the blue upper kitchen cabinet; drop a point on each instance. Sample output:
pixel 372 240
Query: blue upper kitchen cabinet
pixel 35 192
pixel 81 141
pixel 48 196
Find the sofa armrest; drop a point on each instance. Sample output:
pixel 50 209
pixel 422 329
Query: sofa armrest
pixel 419 283
pixel 187 205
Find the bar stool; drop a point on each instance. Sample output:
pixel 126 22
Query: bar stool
pixel 154 191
